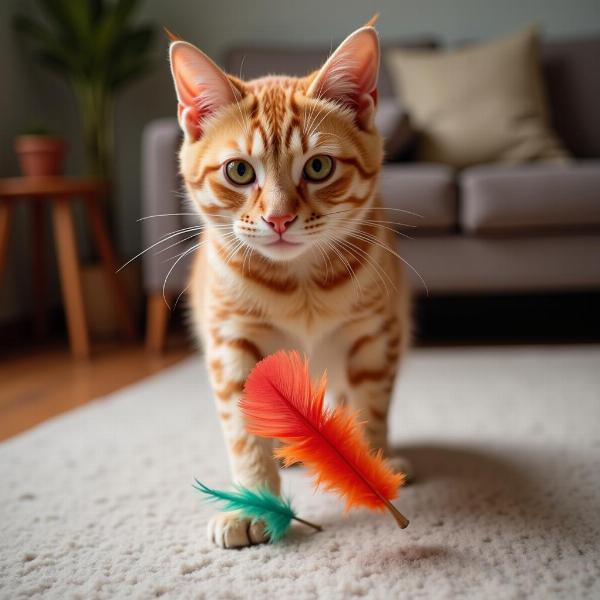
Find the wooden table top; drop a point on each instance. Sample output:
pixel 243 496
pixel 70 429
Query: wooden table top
pixel 50 186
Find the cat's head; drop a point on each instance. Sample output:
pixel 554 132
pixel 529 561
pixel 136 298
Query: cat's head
pixel 269 162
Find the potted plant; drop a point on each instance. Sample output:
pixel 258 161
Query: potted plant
pixel 40 152
pixel 97 48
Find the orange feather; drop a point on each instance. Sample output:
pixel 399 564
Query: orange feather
pixel 280 401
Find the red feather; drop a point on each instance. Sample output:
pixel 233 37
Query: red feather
pixel 280 401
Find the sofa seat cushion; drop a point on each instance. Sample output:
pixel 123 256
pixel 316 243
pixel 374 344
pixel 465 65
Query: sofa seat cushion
pixel 530 197
pixel 426 191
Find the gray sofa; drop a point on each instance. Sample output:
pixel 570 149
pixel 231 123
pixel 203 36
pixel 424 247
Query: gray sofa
pixel 489 229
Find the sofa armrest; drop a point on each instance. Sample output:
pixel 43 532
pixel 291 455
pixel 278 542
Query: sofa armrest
pixel 161 194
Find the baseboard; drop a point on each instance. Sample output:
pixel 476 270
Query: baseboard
pixel 532 318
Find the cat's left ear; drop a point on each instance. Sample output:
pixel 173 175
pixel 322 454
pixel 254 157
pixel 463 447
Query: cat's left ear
pixel 350 75
pixel 202 88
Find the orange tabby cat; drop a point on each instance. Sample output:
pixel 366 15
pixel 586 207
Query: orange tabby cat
pixel 284 174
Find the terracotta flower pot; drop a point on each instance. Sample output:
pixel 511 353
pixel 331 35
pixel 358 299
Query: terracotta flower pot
pixel 40 155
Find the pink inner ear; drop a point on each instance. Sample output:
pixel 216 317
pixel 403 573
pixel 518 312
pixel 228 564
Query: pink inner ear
pixel 201 86
pixel 351 71
pixel 189 120
pixel 183 83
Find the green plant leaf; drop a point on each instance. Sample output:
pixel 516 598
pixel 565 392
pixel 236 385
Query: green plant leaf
pixel 111 26
pixel 72 18
pixel 97 47
pixel 49 49
pixel 124 9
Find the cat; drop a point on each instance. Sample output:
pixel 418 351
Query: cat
pixel 295 253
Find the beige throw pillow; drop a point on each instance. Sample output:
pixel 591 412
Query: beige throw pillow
pixel 480 104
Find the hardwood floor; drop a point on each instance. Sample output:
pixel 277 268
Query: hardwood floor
pixel 41 383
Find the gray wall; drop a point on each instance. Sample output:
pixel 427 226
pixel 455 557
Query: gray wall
pixel 214 26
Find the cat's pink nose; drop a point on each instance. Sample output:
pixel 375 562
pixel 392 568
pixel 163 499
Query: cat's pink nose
pixel 279 222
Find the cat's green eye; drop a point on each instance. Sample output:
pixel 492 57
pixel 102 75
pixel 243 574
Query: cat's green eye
pixel 318 168
pixel 240 172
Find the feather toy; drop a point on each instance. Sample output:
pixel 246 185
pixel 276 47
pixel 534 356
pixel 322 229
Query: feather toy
pixel 259 504
pixel 280 401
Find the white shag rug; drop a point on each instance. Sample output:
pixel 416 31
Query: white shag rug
pixel 506 445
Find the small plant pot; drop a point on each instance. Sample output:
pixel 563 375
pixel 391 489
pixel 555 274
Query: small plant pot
pixel 40 155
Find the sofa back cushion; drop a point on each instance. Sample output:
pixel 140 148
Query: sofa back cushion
pixel 572 73
pixel 251 62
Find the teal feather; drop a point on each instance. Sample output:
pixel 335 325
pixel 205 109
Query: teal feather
pixel 258 504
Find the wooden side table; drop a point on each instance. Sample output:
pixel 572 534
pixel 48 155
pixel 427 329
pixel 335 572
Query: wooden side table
pixel 60 192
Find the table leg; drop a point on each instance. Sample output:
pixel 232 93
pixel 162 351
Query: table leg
pixel 70 276
pixel 6 217
pixel 157 319
pixel 38 233
pixel 109 264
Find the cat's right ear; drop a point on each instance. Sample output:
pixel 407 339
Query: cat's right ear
pixel 202 88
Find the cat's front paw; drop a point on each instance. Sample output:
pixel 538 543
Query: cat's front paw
pixel 231 530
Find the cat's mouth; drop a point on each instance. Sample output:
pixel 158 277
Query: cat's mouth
pixel 282 249
pixel 281 243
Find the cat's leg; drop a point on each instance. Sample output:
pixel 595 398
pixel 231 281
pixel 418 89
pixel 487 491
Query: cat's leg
pixel 230 357
pixel 371 350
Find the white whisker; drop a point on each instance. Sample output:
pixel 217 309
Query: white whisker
pixel 164 239
pixel 168 215
pixel 378 269
pixel 244 121
pixel 247 254
pixel 331 245
pixel 374 224
pixel 325 255
pixel 185 239
pixel 368 208
pixel 313 109
pixel 401 223
pixel 315 128
pixel 238 245
pixel 189 238
pixel 185 289
pixel 183 254
pixel 373 240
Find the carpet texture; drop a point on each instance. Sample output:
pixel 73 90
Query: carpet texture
pixel 506 446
